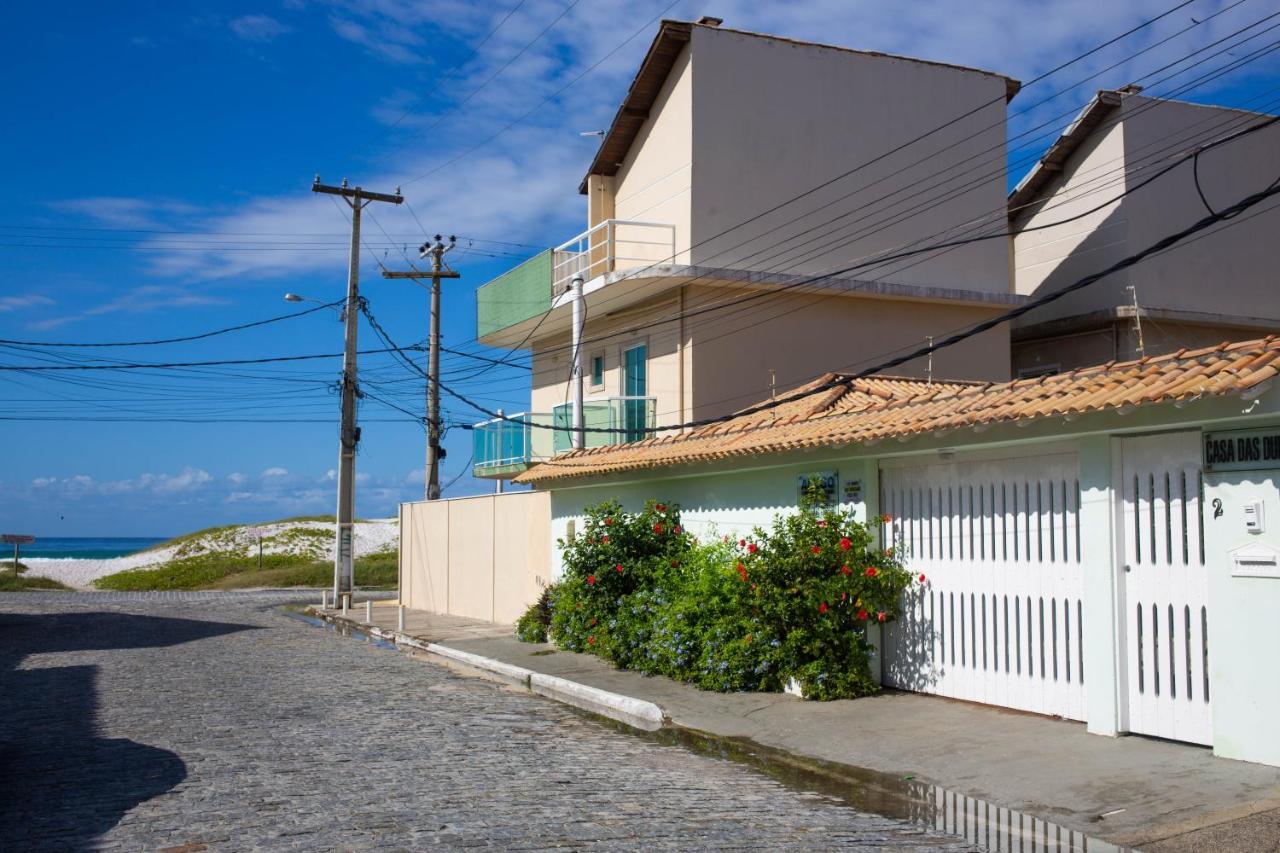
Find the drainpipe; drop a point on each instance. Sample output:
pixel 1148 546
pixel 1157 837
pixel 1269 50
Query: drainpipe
pixel 575 376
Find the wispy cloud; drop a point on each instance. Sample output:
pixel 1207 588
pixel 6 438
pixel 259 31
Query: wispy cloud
pixel 258 28
pixel 123 212
pixel 138 300
pixel 22 301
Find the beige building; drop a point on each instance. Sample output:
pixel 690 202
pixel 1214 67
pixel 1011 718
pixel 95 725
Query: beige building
pixel 736 211
pixel 1218 286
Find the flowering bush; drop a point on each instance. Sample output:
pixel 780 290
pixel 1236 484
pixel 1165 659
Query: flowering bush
pixel 748 614
pixel 533 625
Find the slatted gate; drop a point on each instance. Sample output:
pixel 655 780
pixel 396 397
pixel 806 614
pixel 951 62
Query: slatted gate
pixel 1000 618
pixel 1166 624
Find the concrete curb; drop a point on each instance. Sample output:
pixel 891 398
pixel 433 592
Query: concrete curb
pixel 638 713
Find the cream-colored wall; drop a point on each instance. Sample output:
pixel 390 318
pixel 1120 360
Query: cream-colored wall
pixel 1230 271
pixel 652 184
pixel 802 336
pixel 1047 259
pixel 552 359
pixel 481 557
pixel 774 118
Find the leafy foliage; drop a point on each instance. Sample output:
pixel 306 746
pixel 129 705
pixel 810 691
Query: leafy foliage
pixel 535 623
pixel 791 602
pixel 235 571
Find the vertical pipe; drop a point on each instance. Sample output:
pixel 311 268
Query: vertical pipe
pixel 575 378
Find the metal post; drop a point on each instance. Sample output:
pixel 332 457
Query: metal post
pixel 16 553
pixel 324 599
pixel 575 377
pixel 400 618
pixel 346 603
pixel 368 612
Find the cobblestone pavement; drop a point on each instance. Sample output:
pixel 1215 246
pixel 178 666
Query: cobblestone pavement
pixel 218 722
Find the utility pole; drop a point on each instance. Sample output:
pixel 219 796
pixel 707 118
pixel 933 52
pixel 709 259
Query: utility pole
pixel 436 252
pixel 349 433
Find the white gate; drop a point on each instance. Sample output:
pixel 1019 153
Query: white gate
pixel 1166 624
pixel 999 620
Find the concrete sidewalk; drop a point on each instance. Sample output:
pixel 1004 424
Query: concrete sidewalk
pixel 960 767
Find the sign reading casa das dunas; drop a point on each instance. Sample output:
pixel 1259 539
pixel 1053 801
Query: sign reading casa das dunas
pixel 1242 449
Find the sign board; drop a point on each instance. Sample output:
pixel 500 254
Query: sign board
pixel 853 492
pixel 829 481
pixel 16 539
pixel 1242 449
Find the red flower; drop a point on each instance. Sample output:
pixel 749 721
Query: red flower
pixel 591 580
pixel 676 530
pixel 822 522
pixel 886 518
pixel 845 544
pixel 675 563
pixel 844 596
pixel 872 571
pixel 657 528
pixel 742 571
pixel 845 570
pixel 742 543
pixel 880 615
pixel 815 549
pixel 618 568
pixel 822 608
pixel 921 578
pixel 660 507
pixel 751 549
pixel 604 539
pixel 862 614
pixel 608 522
pixel 591 641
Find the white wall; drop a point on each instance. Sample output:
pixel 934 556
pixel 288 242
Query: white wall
pixel 773 118
pixel 1244 633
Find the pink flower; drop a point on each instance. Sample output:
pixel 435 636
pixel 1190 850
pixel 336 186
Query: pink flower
pixel 845 543
pixel 822 522
pixel 880 615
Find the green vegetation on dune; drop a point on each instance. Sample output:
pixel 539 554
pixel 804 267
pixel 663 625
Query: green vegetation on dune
pixel 9 582
pixel 235 571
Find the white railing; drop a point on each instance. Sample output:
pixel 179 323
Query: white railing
pixel 614 244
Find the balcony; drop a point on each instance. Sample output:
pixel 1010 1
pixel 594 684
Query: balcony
pixel 531 299
pixel 501 449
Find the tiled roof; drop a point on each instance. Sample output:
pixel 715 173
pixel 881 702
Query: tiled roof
pixel 837 411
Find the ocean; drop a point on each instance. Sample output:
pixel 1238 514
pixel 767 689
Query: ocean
pixel 83 547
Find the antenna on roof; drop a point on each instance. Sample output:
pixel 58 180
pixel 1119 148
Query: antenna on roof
pixel 591 133
pixel 1130 89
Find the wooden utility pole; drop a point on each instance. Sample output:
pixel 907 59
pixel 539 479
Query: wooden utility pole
pixel 349 434
pixel 438 271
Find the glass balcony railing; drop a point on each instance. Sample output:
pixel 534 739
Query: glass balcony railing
pixel 636 417
pixel 503 448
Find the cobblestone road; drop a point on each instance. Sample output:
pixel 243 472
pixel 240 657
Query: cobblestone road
pixel 193 722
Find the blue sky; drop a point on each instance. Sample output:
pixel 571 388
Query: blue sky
pixel 159 160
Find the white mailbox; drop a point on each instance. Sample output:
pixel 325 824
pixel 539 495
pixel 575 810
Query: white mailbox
pixel 1255 561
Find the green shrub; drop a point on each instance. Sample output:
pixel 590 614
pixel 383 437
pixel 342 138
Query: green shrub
pixel 793 602
pixel 535 623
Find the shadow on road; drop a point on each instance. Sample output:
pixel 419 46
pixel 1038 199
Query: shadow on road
pixel 61 785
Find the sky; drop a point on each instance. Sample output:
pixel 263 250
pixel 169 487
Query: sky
pixel 160 158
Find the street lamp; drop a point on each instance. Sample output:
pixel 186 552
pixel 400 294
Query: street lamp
pixel 294 297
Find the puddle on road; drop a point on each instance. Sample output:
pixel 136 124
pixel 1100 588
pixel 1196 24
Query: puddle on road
pixel 930 807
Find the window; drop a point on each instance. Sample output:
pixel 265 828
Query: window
pixel 597 370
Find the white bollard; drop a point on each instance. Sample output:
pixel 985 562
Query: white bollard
pixel 346 601
pixel 368 612
pixel 400 618
pixel 324 599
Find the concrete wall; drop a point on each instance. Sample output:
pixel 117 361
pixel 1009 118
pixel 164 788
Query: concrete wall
pixel 480 557
pixel 653 184
pixel 1228 275
pixel 1245 693
pixel 774 118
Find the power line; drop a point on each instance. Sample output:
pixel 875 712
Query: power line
pixel 145 366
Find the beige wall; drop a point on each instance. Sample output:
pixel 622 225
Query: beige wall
pixel 480 557
pixel 653 183
pixel 774 118
pixel 1230 272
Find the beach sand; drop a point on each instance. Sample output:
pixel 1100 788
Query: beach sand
pixel 371 537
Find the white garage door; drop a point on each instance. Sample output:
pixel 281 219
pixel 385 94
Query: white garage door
pixel 999 620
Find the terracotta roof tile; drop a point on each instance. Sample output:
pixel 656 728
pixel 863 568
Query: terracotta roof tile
pixel 867 410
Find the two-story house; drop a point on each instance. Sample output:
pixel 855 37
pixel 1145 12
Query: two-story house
pixel 1094 181
pixel 736 209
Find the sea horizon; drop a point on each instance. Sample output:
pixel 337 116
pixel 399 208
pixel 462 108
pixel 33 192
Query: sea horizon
pixel 83 547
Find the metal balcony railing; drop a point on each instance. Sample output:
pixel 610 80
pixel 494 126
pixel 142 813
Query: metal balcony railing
pixel 614 244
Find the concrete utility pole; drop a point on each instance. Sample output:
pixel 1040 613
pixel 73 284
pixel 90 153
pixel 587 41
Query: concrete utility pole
pixel 349 433
pixel 436 252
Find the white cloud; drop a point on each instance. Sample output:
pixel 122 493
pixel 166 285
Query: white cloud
pixel 260 28
pixel 275 472
pixel 237 478
pixel 125 212
pixel 17 303
pixel 137 300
